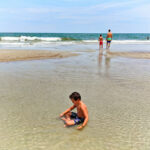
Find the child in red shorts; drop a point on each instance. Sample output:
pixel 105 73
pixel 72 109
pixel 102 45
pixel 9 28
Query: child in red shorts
pixel 100 41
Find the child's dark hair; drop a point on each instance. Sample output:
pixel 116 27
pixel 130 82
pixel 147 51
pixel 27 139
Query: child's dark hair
pixel 100 35
pixel 75 96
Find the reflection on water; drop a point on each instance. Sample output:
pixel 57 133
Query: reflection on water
pixel 104 63
pixel 34 93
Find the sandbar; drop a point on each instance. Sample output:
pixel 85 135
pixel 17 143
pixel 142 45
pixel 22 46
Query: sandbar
pixel 140 55
pixel 22 55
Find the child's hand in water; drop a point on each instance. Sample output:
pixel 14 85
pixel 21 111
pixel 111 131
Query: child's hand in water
pixel 61 115
pixel 80 127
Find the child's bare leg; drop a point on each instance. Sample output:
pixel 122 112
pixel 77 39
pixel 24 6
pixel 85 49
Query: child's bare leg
pixel 66 119
pixel 67 116
pixel 69 123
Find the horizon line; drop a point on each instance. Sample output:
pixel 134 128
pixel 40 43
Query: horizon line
pixel 82 32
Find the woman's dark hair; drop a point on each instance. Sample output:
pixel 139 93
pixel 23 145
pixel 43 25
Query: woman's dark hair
pixel 100 35
pixel 109 30
pixel 75 96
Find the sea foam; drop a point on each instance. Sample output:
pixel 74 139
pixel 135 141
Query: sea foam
pixel 28 38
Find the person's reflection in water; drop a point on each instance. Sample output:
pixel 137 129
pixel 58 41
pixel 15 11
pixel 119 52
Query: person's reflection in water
pixel 104 68
pixel 101 51
pixel 107 62
pixel 100 57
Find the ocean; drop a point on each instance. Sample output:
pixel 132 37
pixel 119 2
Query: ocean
pixel 13 40
pixel 70 36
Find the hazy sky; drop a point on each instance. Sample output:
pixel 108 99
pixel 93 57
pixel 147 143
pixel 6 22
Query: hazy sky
pixel 75 16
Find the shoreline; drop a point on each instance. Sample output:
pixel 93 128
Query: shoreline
pixel 22 55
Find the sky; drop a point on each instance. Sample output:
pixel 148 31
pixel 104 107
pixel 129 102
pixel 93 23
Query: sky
pixel 75 16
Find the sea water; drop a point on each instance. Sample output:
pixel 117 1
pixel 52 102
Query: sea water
pixel 53 40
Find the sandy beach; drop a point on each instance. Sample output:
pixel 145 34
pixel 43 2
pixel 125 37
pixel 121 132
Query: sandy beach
pixel 20 55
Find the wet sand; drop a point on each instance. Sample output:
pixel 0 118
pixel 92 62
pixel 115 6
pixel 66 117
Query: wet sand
pixel 115 90
pixel 140 55
pixel 20 55
pixel 34 93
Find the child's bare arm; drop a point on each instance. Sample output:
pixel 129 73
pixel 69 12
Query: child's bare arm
pixel 85 111
pixel 68 110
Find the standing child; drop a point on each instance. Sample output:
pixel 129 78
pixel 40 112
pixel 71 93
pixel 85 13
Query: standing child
pixel 100 41
pixel 72 118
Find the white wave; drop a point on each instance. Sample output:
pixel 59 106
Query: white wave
pixel 90 41
pixel 9 38
pixel 14 43
pixel 42 44
pixel 28 38
pixel 58 40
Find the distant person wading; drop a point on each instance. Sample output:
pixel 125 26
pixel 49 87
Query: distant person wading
pixel 148 38
pixel 108 39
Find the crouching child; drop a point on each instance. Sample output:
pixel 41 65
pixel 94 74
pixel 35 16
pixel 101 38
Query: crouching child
pixel 71 118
